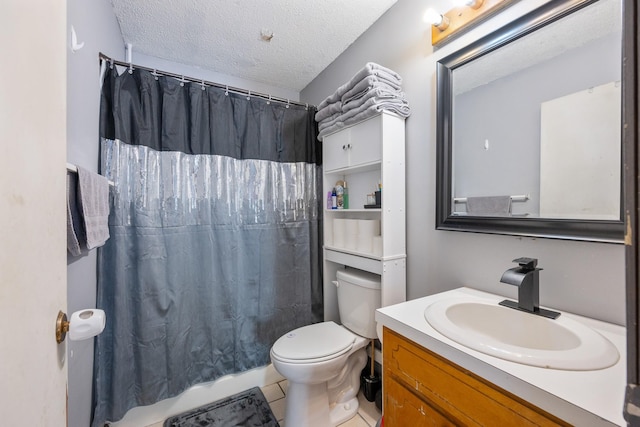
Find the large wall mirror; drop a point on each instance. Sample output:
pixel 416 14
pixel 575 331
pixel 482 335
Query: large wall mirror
pixel 529 127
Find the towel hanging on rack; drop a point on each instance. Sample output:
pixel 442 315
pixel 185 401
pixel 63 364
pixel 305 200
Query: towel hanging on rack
pixel 75 229
pixel 87 210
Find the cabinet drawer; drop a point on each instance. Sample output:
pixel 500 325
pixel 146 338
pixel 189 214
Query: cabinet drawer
pixel 460 394
pixel 403 408
pixel 353 146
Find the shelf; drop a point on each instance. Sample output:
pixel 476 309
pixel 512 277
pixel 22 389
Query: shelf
pixel 356 253
pixel 350 170
pixel 366 262
pixel 352 210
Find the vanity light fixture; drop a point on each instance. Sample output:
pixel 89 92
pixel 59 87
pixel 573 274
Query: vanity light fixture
pixel 466 14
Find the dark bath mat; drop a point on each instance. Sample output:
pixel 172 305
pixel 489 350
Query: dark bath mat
pixel 246 409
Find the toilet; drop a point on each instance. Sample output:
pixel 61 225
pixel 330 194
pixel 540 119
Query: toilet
pixel 323 362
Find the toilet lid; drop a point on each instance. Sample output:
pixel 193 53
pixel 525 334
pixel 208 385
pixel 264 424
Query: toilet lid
pixel 313 342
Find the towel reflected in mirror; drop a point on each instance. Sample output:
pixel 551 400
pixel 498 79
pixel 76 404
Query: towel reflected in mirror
pixel 489 206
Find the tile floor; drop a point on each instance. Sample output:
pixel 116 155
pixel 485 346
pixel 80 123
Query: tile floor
pixel 275 394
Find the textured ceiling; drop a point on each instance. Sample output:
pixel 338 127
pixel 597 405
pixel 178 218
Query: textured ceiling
pixel 233 36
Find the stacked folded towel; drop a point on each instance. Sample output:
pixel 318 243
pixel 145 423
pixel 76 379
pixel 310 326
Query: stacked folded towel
pixel 372 89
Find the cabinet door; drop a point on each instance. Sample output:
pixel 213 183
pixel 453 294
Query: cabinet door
pixel 403 409
pixel 356 145
pixel 366 142
pixel 335 149
pixel 455 391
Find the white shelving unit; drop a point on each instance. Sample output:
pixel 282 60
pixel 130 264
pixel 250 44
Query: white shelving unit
pixel 364 155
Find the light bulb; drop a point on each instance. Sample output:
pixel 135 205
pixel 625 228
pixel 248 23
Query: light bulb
pixel 436 19
pixel 473 4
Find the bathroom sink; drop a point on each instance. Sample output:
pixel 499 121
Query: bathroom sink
pixel 521 337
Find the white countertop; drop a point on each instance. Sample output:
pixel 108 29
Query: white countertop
pixel 582 398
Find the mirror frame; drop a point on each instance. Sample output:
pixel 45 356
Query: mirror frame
pixel 610 231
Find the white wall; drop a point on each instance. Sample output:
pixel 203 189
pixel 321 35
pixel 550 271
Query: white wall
pixel 580 277
pixel 97 27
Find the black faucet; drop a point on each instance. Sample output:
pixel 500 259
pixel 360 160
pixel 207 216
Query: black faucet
pixel 526 278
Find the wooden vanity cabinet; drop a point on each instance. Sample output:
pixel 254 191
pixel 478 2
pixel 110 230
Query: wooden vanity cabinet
pixel 423 389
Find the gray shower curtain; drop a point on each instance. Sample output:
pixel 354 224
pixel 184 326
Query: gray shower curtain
pixel 215 246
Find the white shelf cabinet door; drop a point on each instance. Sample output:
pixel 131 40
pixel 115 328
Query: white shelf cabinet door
pixel 353 146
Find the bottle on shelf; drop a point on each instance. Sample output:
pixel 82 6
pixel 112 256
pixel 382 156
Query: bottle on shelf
pixel 345 196
pixel 340 194
pixel 334 199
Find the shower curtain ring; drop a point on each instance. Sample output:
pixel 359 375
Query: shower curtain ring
pixel 203 88
pixel 226 91
pixel 269 100
pixel 248 95
pixel 287 103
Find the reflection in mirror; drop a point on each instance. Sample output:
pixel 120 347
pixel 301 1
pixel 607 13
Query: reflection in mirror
pixel 529 123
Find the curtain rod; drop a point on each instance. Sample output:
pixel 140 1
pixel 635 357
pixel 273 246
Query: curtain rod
pixel 228 88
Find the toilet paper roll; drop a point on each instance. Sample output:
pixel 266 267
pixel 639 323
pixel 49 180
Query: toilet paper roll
pixel 377 245
pixel 368 227
pixel 338 233
pixel 365 244
pixel 351 234
pixel 86 324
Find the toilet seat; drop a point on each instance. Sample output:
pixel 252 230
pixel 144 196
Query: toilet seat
pixel 313 343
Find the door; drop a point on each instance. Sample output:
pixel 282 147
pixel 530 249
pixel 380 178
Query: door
pixel 32 212
pixel 631 175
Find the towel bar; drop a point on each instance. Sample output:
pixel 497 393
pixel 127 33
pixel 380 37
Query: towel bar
pixel 74 168
pixel 518 198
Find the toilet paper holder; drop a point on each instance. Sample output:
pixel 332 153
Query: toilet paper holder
pixel 84 324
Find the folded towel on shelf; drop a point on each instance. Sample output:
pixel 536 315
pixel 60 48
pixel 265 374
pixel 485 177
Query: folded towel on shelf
pixel 328 111
pixel 489 206
pixel 330 129
pixel 374 109
pixel 372 89
pixel 331 99
pixel 369 109
pixel 330 121
pixel 357 115
pixel 378 92
pixel 367 83
pixel 398 106
pixel 373 69
pixel 75 228
pixel 379 68
pixel 93 194
pixel 370 69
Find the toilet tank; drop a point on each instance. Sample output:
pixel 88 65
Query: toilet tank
pixel 358 299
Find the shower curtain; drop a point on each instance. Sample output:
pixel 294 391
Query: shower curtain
pixel 215 247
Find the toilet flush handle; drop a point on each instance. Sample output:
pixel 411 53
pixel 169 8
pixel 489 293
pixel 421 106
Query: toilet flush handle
pixel 335 282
